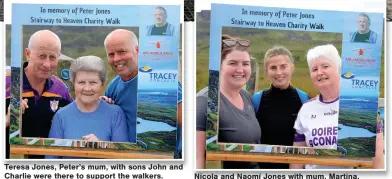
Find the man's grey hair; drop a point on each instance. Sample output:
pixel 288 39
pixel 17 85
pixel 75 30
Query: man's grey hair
pixel 90 64
pixel 161 8
pixel 365 15
pixel 36 35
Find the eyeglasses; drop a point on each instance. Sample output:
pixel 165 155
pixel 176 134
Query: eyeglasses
pixel 233 42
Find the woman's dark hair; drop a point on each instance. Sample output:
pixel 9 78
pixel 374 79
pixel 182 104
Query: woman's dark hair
pixel 228 49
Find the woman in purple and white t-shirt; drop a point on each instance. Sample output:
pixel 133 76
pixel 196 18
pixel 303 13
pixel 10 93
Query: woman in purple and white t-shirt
pixel 317 122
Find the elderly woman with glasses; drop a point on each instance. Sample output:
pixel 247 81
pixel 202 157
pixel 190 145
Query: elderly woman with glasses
pixel 88 117
pixel 312 124
pixel 237 120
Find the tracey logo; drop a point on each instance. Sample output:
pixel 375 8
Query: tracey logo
pixel 348 75
pixel 145 69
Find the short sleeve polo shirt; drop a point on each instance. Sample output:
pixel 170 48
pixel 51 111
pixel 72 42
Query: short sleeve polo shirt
pixel 37 119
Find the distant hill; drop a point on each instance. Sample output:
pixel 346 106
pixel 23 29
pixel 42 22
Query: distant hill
pixel 76 41
pixel 298 42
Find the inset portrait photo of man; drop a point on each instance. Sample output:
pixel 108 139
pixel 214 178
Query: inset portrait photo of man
pixel 363 34
pixel 160 26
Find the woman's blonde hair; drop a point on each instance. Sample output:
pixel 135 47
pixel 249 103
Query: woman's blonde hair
pixel 275 51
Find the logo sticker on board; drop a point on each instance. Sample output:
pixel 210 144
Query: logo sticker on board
pixel 54 105
pixel 64 74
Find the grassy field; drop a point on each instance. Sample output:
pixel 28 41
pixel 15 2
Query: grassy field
pixel 159 141
pixel 76 41
pixel 363 120
pixel 359 146
pixel 298 42
pixel 160 113
pixel 79 41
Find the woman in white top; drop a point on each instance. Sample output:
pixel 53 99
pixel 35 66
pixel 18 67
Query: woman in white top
pixel 317 122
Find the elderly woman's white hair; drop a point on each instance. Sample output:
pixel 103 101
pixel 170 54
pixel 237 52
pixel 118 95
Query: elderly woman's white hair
pixel 328 51
pixel 90 64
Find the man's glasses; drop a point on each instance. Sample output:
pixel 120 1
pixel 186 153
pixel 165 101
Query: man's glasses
pixel 233 42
